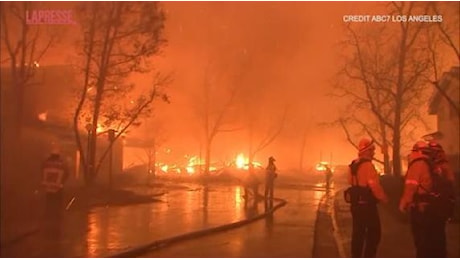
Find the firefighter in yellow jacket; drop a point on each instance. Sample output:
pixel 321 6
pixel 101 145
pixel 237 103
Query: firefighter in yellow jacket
pixel 54 174
pixel 367 191
pixel 428 229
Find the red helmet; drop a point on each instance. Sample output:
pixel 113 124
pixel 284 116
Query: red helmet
pixel 366 144
pixel 422 146
pixel 419 146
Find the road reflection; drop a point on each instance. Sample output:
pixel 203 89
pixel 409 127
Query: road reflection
pixel 104 230
pixel 112 227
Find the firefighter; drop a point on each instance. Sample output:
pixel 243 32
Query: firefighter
pixel 441 163
pixel 364 179
pixel 270 175
pixel 54 174
pixel 442 167
pixel 428 229
pixel 328 175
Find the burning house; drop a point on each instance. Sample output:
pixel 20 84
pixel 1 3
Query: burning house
pixel 45 118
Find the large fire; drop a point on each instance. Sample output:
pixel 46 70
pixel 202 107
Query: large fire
pixel 167 163
pixel 193 165
pixel 242 162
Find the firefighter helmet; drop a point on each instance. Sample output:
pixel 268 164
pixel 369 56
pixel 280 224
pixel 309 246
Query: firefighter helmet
pixel 366 144
pixel 420 146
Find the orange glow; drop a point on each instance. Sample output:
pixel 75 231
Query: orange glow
pixel 193 162
pixel 321 166
pixel 190 170
pixel 93 235
pixel 238 196
pixel 43 116
pixel 100 129
pixel 242 162
pixel 178 170
pixel 379 169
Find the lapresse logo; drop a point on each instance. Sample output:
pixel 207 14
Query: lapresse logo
pixel 50 17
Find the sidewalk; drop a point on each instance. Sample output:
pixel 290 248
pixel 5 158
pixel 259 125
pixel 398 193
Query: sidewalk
pixel 396 235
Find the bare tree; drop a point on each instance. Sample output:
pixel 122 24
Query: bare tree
pixel 215 104
pixel 117 40
pixel 155 136
pixel 387 74
pixel 266 128
pixel 24 45
pixel 303 144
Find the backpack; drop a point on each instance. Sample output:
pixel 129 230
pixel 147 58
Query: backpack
pixel 53 175
pixel 441 198
pixel 357 194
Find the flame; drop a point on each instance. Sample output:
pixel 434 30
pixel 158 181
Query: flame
pixel 257 164
pixel 190 170
pixel 195 165
pixel 241 162
pixel 99 129
pixel 193 162
pixel 43 116
pixel 177 170
pixel 321 166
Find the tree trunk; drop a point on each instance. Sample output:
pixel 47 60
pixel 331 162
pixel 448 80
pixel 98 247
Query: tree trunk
pixel 386 156
pixel 399 104
pixel 91 157
pixel 207 158
pixel 302 150
pixel 386 164
pixel 397 154
pixel 154 160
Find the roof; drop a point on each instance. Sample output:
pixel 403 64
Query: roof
pixel 444 83
pixel 433 136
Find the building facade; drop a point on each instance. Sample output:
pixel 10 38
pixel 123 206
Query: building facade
pixel 447 114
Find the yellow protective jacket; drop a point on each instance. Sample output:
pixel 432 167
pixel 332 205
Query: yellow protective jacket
pixel 418 174
pixel 55 173
pixel 367 176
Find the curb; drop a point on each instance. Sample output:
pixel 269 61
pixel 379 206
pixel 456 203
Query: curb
pixel 331 211
pixel 337 237
pixel 19 237
pixel 157 244
pixel 315 232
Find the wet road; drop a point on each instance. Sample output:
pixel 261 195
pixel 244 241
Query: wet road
pixel 294 223
pixel 108 230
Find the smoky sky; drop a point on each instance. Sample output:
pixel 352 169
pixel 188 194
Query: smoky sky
pixel 281 53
